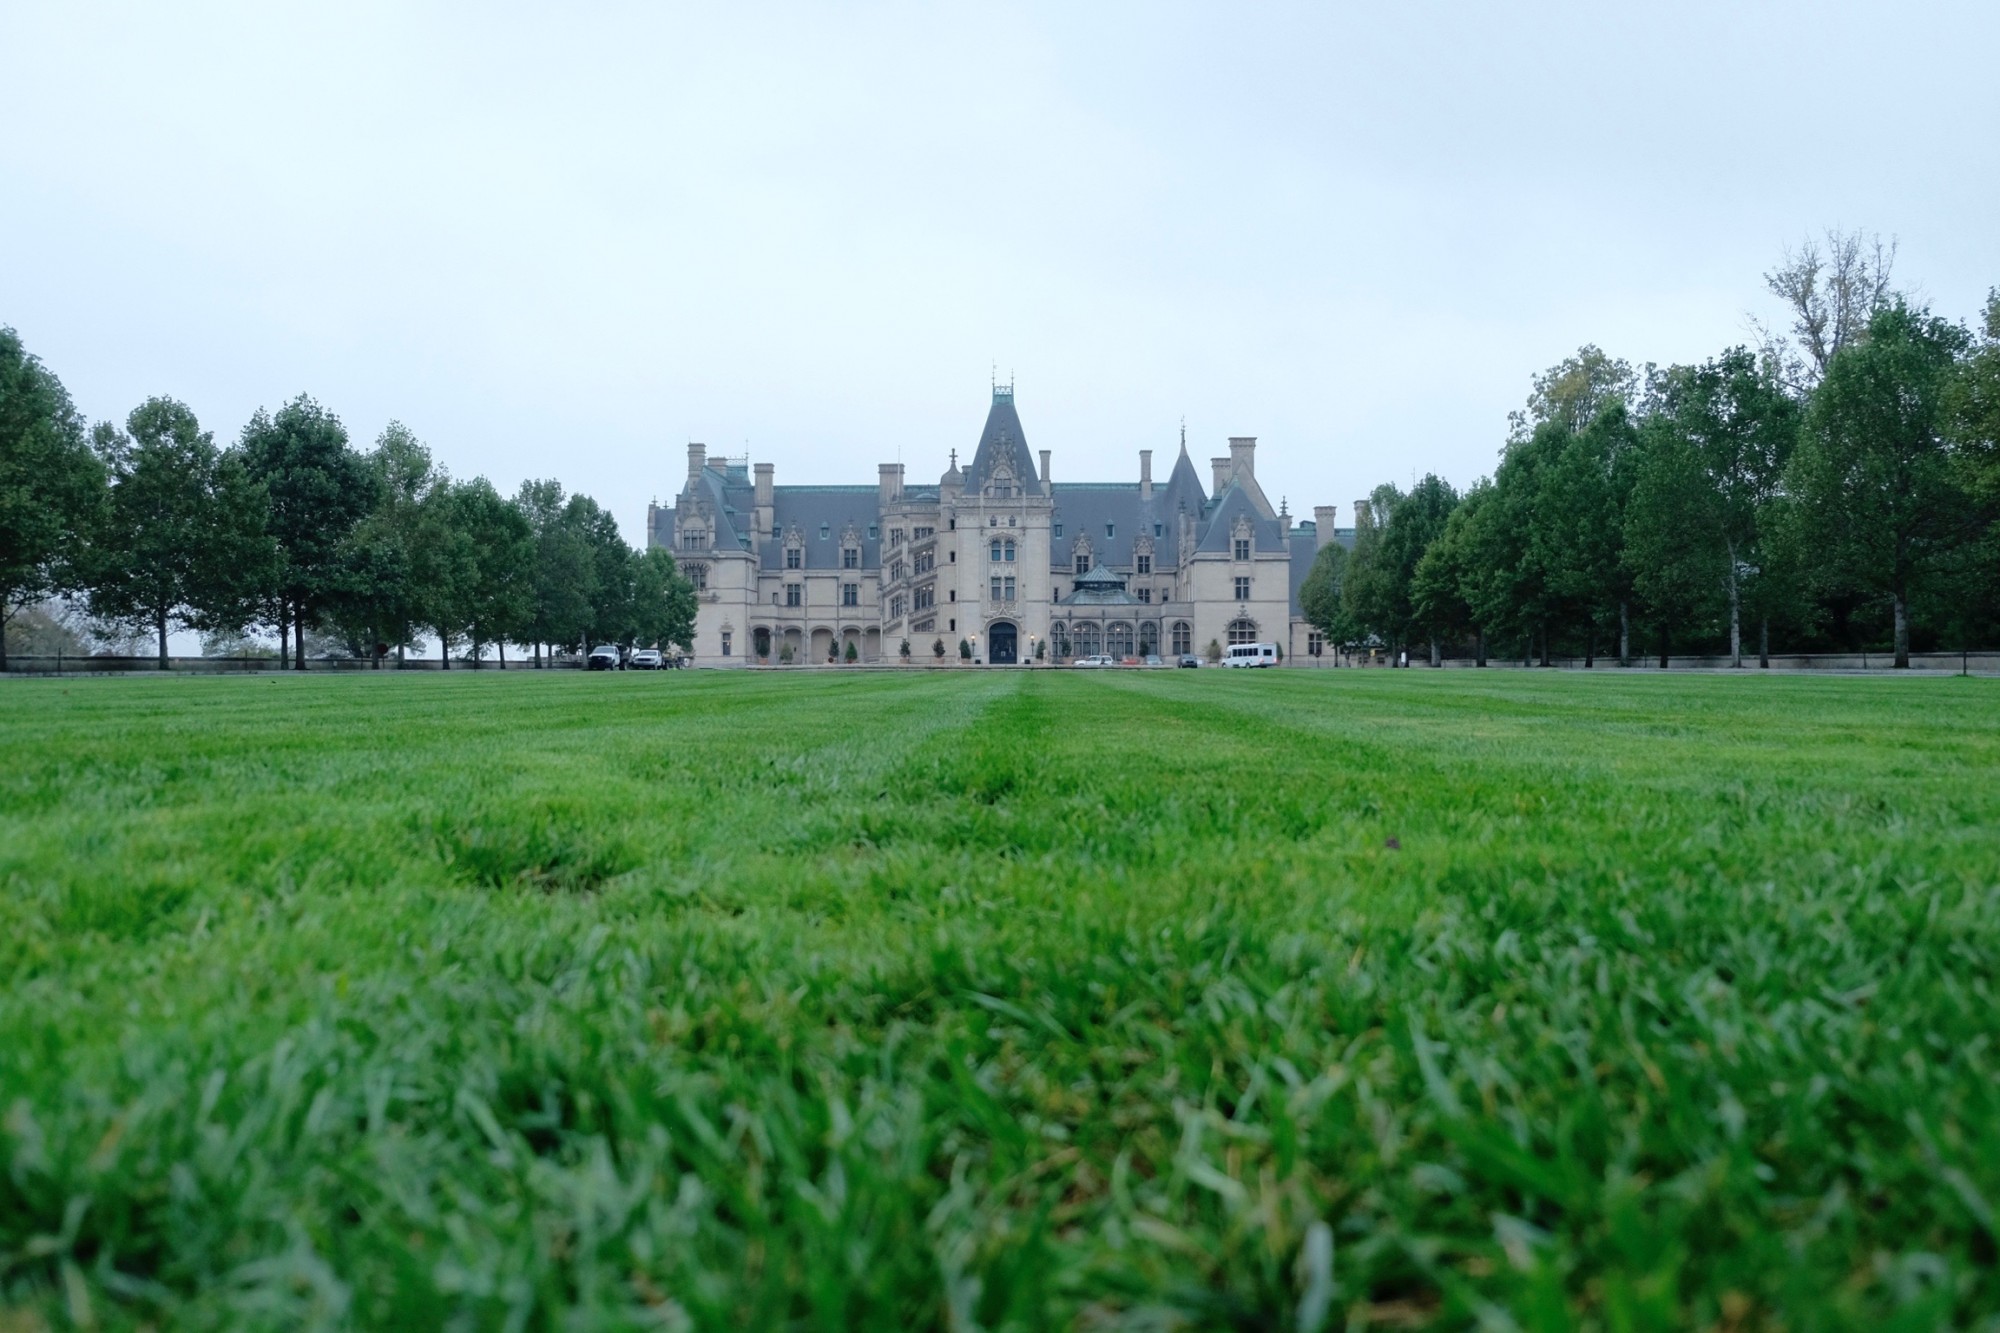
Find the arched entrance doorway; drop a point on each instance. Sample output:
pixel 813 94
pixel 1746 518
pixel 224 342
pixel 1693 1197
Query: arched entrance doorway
pixel 1002 645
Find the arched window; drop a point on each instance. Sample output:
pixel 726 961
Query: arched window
pixel 1007 550
pixel 697 575
pixel 1118 639
pixel 1149 638
pixel 993 551
pixel 1086 640
pixel 1242 631
pixel 1183 638
pixel 1059 639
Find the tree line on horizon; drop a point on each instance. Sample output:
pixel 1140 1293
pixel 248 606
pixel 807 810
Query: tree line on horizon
pixel 154 527
pixel 1836 486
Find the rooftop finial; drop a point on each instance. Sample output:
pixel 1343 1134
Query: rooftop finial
pixel 1183 434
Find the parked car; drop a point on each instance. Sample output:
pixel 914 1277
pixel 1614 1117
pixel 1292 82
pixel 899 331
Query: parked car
pixel 1095 660
pixel 1152 659
pixel 1187 660
pixel 647 659
pixel 605 657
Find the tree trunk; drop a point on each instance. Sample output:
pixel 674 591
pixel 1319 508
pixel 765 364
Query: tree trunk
pixel 444 652
pixel 538 654
pixel 1735 613
pixel 1902 631
pixel 1545 644
pixel 1624 632
pixel 1435 659
pixel 161 621
pixel 299 638
pixel 1590 646
pixel 1764 643
pixel 1663 645
pixel 1479 647
pixel 503 654
pixel 284 637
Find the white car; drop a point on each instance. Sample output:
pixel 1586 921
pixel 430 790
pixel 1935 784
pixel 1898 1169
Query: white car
pixel 605 657
pixel 646 659
pixel 1095 660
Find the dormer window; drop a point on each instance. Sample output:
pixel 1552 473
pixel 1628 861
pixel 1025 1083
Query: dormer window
pixel 1242 548
pixel 850 557
pixel 872 528
pixel 825 531
pixel 794 558
pixel 1110 530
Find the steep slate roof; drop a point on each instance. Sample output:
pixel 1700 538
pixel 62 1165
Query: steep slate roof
pixel 1084 507
pixel 1183 489
pixel 1002 438
pixel 835 507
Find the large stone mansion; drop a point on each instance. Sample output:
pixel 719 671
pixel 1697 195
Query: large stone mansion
pixel 997 555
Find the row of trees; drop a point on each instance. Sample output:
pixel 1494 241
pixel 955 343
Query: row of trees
pixel 294 529
pixel 1816 487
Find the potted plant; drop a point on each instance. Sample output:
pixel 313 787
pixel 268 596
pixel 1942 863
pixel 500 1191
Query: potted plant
pixel 851 655
pixel 937 649
pixel 904 651
pixel 964 651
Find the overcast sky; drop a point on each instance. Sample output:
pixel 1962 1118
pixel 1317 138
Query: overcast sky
pixel 566 240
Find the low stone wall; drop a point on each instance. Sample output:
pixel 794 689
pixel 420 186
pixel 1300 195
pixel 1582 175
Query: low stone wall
pixel 18 665
pixel 1978 664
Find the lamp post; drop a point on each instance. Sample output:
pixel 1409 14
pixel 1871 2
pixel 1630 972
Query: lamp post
pixel 973 639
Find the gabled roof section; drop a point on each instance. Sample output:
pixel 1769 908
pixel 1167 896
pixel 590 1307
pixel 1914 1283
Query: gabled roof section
pixel 1002 438
pixel 1235 502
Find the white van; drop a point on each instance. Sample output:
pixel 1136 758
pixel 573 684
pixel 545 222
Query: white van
pixel 1252 655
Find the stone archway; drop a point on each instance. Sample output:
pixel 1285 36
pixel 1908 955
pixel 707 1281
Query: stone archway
pixel 822 646
pixel 1003 643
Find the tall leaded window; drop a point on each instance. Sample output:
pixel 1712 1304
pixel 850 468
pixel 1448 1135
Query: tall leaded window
pixel 1242 548
pixel 1083 567
pixel 1242 589
pixel 1145 564
pixel 698 576
pixel 1149 637
pixel 794 557
pixel 1183 637
pixel 1242 631
pixel 850 594
pixel 792 594
pixel 850 557
pixel 1118 639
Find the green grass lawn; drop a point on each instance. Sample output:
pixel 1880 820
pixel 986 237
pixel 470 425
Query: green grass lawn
pixel 1000 1000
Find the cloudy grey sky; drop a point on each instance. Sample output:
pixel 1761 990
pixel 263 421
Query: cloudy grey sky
pixel 565 240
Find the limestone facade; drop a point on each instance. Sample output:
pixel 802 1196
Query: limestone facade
pixel 996 555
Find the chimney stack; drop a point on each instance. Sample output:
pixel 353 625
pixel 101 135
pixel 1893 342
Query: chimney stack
pixel 1323 519
pixel 1046 483
pixel 1243 458
pixel 889 483
pixel 1146 476
pixel 1220 467
pixel 763 484
pixel 697 459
